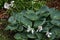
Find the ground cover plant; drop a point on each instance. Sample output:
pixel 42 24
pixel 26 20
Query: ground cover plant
pixel 28 20
pixel 35 25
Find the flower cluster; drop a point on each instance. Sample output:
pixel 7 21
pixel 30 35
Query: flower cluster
pixel 32 29
pixel 29 29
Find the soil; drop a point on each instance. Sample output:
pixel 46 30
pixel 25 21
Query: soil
pixel 3 22
pixel 3 18
pixel 3 15
pixel 53 4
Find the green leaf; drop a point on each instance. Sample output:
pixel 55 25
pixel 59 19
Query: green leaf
pixel 20 28
pixel 18 16
pixel 39 36
pixel 56 22
pixel 17 36
pixel 26 21
pixel 55 14
pixel 31 15
pixel 47 27
pixel 37 39
pixel 12 20
pixel 20 36
pixel 45 14
pixel 39 22
pixel 30 12
pixel 56 31
pixel 31 36
pixel 11 27
pixel 42 10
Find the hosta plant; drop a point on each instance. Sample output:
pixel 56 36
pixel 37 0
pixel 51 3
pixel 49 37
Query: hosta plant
pixel 43 24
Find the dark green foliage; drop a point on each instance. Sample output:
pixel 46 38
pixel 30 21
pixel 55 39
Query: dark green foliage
pixel 32 16
pixel 4 36
pixel 28 4
pixel 44 17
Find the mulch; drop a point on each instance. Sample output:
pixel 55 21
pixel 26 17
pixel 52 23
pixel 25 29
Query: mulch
pixel 3 17
pixel 53 4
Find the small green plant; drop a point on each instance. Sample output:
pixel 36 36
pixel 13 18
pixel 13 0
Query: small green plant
pixel 27 4
pixel 43 24
pixel 19 5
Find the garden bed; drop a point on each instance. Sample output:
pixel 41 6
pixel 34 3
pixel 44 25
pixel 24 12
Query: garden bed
pixel 29 20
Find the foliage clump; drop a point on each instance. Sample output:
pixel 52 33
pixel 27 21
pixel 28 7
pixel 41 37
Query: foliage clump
pixel 32 20
pixel 37 25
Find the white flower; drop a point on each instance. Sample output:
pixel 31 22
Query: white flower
pixel 39 29
pixel 48 34
pixel 7 6
pixel 12 3
pixel 30 29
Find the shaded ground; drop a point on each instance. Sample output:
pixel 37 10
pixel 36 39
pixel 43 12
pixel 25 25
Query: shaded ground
pixel 3 18
pixel 4 35
pixel 53 3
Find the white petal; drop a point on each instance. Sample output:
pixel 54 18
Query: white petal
pixel 47 33
pixel 40 28
pixel 37 30
pixel 29 27
pixel 28 30
pixel 7 6
pixel 12 5
pixel 12 2
pixel 50 33
pixel 48 36
pixel 32 31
